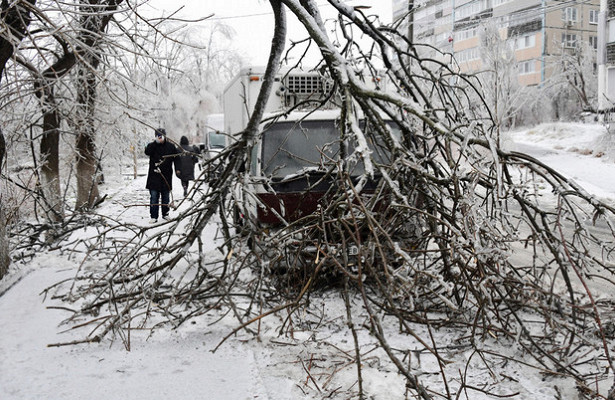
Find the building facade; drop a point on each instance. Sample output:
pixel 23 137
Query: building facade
pixel 536 31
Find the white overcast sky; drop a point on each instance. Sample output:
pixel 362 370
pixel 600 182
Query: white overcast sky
pixel 252 20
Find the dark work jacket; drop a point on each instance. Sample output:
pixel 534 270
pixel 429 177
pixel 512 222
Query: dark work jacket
pixel 187 161
pixel 160 173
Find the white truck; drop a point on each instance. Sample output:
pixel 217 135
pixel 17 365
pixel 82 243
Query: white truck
pixel 289 88
pixel 292 163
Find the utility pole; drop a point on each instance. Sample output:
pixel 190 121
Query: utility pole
pixel 411 21
pixel 603 89
pixel 543 32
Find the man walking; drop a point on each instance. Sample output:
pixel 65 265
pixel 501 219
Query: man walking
pixel 159 176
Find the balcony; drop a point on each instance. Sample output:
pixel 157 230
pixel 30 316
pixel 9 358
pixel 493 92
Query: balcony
pixel 610 53
pixel 527 27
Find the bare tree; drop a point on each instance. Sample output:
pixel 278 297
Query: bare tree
pixel 4 247
pixel 218 62
pixel 93 24
pixel 63 64
pixel 15 18
pixel 574 80
pixel 67 62
pixel 504 95
pixel 51 49
pixel 183 79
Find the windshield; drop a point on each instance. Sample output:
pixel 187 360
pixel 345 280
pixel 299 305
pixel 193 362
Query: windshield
pixel 290 147
pixel 216 140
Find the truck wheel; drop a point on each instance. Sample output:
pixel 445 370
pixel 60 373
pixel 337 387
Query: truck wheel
pixel 239 222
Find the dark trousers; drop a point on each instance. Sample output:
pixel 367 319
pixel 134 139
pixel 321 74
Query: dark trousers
pixel 158 198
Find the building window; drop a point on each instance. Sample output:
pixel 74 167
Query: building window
pixel 610 54
pixel 466 34
pixel 593 16
pixel 610 6
pixel 569 14
pixel 569 40
pixel 500 2
pixel 610 31
pixel 445 20
pixel 468 55
pixel 527 67
pixel 442 38
pixel 470 9
pixel 593 42
pixel 525 42
pixel 420 14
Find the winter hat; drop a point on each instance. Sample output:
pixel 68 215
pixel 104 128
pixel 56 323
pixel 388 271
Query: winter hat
pixel 184 140
pixel 160 131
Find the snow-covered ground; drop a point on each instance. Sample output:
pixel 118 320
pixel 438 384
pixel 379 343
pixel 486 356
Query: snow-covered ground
pixel 585 153
pixel 180 364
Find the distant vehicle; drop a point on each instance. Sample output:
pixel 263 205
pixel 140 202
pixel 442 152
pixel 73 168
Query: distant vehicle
pixel 214 140
pixel 214 143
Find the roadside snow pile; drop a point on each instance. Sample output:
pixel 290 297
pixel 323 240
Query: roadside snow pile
pixel 584 139
pixel 582 152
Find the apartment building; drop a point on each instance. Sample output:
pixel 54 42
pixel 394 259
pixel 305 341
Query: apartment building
pixel 536 30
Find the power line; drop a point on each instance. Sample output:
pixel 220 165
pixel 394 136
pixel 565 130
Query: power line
pixel 256 14
pixel 239 16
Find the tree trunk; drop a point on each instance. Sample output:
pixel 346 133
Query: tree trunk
pixel 95 22
pixel 50 157
pixel 4 246
pixel 5 260
pixel 15 18
pixel 87 162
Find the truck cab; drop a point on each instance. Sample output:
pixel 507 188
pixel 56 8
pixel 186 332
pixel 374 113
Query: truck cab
pixel 294 163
